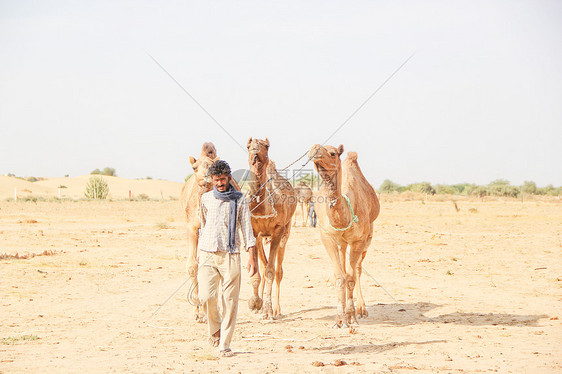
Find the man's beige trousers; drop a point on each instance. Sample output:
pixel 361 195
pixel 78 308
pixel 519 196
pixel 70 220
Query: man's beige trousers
pixel 216 269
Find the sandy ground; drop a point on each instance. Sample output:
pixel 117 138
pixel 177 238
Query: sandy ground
pixel 74 188
pixel 447 292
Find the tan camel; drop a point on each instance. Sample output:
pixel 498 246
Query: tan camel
pixel 304 196
pixel 347 206
pixel 272 205
pixel 190 199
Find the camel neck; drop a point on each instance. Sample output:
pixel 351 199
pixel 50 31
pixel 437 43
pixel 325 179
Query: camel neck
pixel 336 207
pixel 331 188
pixel 259 192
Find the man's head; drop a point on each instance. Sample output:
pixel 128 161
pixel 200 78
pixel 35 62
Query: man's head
pixel 220 173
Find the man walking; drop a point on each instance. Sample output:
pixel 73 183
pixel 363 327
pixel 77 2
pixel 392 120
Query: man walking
pixel 223 212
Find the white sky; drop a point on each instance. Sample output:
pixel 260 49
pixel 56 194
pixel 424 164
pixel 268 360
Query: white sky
pixel 480 100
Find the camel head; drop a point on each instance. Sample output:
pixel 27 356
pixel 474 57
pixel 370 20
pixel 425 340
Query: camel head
pixel 327 163
pixel 258 156
pixel 200 170
pixel 208 149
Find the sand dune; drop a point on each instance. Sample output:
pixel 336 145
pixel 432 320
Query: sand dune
pixel 11 185
pixel 74 188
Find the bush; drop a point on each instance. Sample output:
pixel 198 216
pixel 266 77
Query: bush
pixel 469 189
pixel 106 171
pixel 143 196
pixel 389 186
pixel 480 191
pixel 549 190
pixel 423 187
pixel 96 188
pixel 109 171
pixel 445 189
pixel 529 187
pixel 501 187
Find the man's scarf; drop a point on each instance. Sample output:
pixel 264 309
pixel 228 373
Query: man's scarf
pixel 232 196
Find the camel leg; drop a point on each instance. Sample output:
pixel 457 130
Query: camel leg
pixel 333 249
pixel 361 311
pixel 279 271
pixel 357 253
pixel 192 239
pixel 263 264
pixel 255 302
pixel 269 273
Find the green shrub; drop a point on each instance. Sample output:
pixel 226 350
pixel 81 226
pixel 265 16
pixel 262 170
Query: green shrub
pixel 529 187
pixel 96 188
pixel 480 191
pixel 389 186
pixel 109 171
pixel 443 189
pixel 106 171
pixel 423 187
pixel 501 187
pixel 549 190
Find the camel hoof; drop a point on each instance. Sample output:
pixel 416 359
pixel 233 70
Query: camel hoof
pixel 339 323
pixel 268 311
pixel 255 303
pixel 200 318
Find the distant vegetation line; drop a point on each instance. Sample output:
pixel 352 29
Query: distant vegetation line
pixel 498 187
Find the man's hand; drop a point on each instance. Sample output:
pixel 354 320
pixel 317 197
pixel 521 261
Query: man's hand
pixel 252 261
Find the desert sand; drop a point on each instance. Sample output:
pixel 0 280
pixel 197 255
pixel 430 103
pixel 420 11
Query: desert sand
pixel 74 188
pixel 471 291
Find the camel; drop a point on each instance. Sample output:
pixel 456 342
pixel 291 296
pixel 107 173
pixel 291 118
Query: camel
pixel 347 205
pixel 190 199
pixel 272 205
pixel 304 196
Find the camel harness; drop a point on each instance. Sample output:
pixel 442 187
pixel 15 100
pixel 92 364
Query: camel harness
pixel 354 218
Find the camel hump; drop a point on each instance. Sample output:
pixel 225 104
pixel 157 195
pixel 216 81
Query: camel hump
pixel 352 156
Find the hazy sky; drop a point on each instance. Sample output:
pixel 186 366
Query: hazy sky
pixel 481 99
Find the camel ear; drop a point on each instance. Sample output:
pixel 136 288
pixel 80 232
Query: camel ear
pixel 192 160
pixel 340 149
pixel 267 143
pixel 249 142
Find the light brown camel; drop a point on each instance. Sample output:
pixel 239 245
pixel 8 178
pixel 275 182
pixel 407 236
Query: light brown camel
pixel 344 223
pixel 304 196
pixel 190 199
pixel 272 205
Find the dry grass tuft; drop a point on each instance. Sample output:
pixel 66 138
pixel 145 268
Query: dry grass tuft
pixel 26 256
